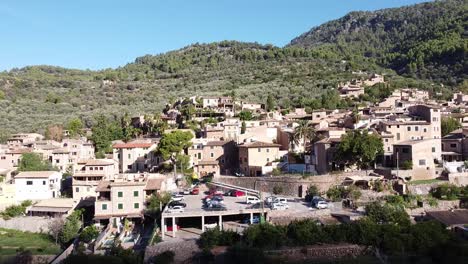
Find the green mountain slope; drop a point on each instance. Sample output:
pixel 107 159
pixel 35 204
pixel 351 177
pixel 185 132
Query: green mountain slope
pixel 426 40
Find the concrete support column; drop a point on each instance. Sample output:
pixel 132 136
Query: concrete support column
pixel 203 223
pixel 220 223
pixel 163 228
pixel 251 218
pixel 173 227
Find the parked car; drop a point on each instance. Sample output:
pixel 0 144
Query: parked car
pixel 252 200
pixel 280 200
pixel 213 197
pixel 321 205
pixel 235 193
pixel 239 174
pixel 169 228
pixel 319 202
pixel 176 203
pixel 270 199
pixel 279 206
pixel 195 191
pixel 176 209
pixel 215 207
pixel 255 220
pixel 211 226
pixel 186 191
pixel 177 197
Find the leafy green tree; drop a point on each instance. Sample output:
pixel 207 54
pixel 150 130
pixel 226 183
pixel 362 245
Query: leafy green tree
pixel 104 131
pixel 387 214
pixel 270 103
pixel 71 228
pixel 359 148
pixel 173 144
pixel 156 202
pixel 312 191
pixel 245 115
pixel 89 233
pixel 265 236
pixel 33 162
pixel 75 127
pixel 2 95
pixel 447 191
pixel 448 125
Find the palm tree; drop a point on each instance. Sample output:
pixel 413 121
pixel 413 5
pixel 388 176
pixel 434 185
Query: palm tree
pixel 303 131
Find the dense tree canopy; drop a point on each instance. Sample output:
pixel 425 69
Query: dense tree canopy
pixel 359 148
pixel 33 162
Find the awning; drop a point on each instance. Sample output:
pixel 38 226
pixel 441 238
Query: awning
pixel 50 209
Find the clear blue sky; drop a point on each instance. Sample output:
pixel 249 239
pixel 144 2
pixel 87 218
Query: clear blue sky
pixel 97 34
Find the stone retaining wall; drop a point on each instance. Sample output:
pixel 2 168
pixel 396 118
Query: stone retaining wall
pixel 33 224
pixel 292 185
pixel 320 252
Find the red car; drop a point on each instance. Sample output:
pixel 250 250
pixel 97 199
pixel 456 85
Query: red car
pixel 237 193
pixel 195 191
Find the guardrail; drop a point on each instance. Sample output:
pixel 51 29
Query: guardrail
pixel 234 187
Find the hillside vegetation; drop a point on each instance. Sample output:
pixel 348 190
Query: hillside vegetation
pixel 427 40
pixel 303 74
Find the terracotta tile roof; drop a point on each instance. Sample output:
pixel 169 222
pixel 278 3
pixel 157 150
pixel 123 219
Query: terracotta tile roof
pixel 103 186
pixel 132 145
pixel 99 162
pixel 154 184
pixel 259 144
pixel 216 143
pixel 449 218
pixel 18 151
pixel 34 174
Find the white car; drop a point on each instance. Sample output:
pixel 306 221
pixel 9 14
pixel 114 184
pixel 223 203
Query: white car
pixel 251 200
pixel 177 197
pixel 279 206
pixel 280 200
pixel 186 191
pixel 321 205
pixel 211 226
pixel 176 209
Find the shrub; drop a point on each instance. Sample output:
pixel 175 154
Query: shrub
pixel 407 165
pixel 446 192
pixel 89 233
pixel 214 237
pixel 311 192
pixel 165 257
pixel 387 214
pixel 278 189
pixel 265 236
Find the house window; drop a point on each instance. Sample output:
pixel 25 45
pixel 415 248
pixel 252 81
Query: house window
pixel 104 206
pixel 409 128
pixel 129 156
pixel 135 193
pixel 211 147
pixel 77 189
pixel 3 157
pixel 120 206
pixel 398 126
pixel 425 130
pixel 129 167
pixel 90 168
pixel 212 154
pixel 74 153
pixel 136 205
pixel 101 168
pixel 433 149
pixel 268 159
pixel 416 128
pixel 120 194
pixel 453 145
pixel 259 150
pixel 267 150
pixel 43 182
pixel 29 183
pixel 422 162
pixel 199 155
pixel 388 149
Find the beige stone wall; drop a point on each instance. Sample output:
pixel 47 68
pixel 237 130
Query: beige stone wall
pixel 127 200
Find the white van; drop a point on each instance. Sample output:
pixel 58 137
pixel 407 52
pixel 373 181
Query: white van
pixel 280 200
pixel 251 200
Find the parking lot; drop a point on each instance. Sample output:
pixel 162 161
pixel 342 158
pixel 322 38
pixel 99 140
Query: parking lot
pixel 195 219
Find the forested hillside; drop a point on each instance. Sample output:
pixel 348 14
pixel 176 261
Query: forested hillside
pixel 304 74
pixel 427 41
